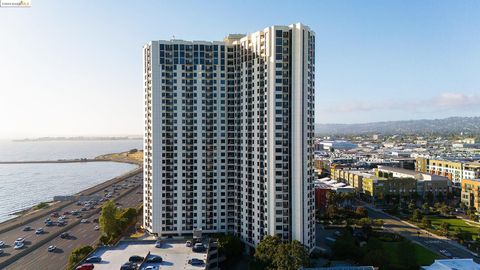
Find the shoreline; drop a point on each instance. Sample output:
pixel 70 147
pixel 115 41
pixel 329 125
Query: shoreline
pixel 29 213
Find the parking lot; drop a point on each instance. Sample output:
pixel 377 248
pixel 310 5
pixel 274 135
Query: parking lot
pixel 174 253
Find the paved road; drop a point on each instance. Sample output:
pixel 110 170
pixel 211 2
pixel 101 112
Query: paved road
pixel 428 240
pixel 82 233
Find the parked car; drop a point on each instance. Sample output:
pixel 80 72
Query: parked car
pixel 199 247
pixel 51 248
pixel 129 266
pixel 151 267
pixel 39 231
pixel 154 259
pixel 136 258
pixel 188 243
pixel 195 261
pixel 64 235
pixel 85 266
pixel 19 245
pixel 94 259
pixel 158 244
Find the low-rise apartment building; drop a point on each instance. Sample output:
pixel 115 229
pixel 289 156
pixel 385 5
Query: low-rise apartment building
pixel 453 170
pixel 470 193
pixel 425 182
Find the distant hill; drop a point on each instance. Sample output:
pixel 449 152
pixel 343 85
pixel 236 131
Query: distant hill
pixel 451 125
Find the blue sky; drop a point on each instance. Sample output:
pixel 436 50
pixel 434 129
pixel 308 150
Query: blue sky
pixel 75 67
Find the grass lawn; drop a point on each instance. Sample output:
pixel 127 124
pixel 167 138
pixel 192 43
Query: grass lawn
pixel 456 223
pixel 423 256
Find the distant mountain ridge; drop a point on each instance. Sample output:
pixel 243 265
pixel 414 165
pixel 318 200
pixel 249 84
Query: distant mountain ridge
pixel 451 125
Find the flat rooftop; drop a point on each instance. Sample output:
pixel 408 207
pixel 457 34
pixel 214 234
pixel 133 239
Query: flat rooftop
pixel 174 253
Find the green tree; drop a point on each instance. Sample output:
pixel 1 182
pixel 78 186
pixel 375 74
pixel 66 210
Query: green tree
pixel 109 221
pixel 77 255
pixel 417 215
pixel 426 222
pixel 231 246
pixel 426 208
pixel 411 206
pixel 266 249
pixel 290 256
pixel 445 226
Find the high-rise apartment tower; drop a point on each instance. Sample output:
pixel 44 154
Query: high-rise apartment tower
pixel 228 135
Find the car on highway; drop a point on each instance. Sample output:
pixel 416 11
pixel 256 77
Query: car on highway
pixel 1 251
pixel 136 258
pixel 446 253
pixel 54 214
pixel 80 216
pixel 19 245
pixel 83 221
pixel 85 266
pixel 66 213
pixel 154 259
pixel 2 243
pixel 19 240
pixel 61 223
pixel 27 228
pixel 96 228
pixel 51 248
pixel 195 261
pixel 39 231
pixel 93 259
pixel 64 235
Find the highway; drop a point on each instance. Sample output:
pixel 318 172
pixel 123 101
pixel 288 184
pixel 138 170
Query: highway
pixel 82 233
pixel 433 242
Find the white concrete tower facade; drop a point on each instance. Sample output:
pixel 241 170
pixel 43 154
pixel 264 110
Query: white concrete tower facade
pixel 228 135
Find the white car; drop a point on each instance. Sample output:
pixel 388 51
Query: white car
pixel 19 245
pixel 83 221
pixel 151 267
pixel 51 248
pixel 96 228
pixel 2 243
pixel 19 240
